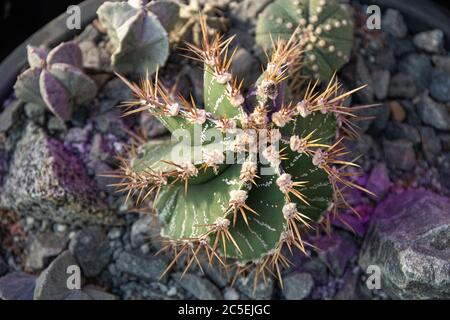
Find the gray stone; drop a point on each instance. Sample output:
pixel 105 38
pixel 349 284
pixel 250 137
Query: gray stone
pixel 142 231
pixel 440 86
pixel 230 293
pixel 402 86
pixel 433 113
pixel 380 82
pixel 393 23
pixel 363 77
pixel 297 286
pixel 441 62
pixel 430 41
pixel 90 247
pixel 399 154
pixel 52 282
pixel 199 287
pixel 408 240
pixel 262 290
pixel 98 294
pixel 35 112
pixel 335 252
pixel 248 9
pixel 43 248
pixel 396 131
pixel 445 141
pixel 39 184
pixel 245 66
pixel 116 91
pixel 216 273
pixel 147 268
pixel 419 67
pixel 431 145
pixel 77 295
pixel 10 115
pixel 17 286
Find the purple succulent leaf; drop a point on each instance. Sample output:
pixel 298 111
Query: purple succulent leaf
pixel 36 56
pixel 55 95
pixel 27 86
pixel 66 52
pixel 80 86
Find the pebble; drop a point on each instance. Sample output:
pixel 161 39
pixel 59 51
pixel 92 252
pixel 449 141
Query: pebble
pixel 297 286
pixel 430 41
pixel 230 293
pixel 393 23
pixel 380 81
pixel 419 67
pixel 397 111
pixel 431 145
pixel 402 86
pixel 433 113
pixel 91 249
pixel 199 287
pixel 399 154
pixel 440 86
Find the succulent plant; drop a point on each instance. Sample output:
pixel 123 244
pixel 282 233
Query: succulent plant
pixel 56 79
pixel 139 39
pixel 325 32
pixel 181 21
pixel 261 170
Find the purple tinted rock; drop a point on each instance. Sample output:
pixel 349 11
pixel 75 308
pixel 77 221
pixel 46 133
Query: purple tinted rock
pixel 408 240
pixel 357 224
pixel 335 251
pixel 17 286
pixel 379 182
pixel 45 180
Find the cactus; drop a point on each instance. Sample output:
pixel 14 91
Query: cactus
pixel 270 172
pixel 56 79
pixel 326 32
pixel 139 39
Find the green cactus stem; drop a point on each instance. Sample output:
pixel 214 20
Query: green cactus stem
pixel 325 32
pixel 271 172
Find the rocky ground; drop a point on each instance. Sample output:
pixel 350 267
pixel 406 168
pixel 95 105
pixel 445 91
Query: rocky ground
pixel 49 173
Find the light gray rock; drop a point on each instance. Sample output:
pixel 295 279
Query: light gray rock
pixel 44 247
pixel 17 286
pixel 408 239
pixel 433 113
pixel 142 231
pixel 297 286
pixel 52 282
pixel 380 81
pixel 430 41
pixel 199 287
pixel 393 23
pixel 46 181
pixel 147 268
pixel 399 154
pixel 90 248
pixel 262 291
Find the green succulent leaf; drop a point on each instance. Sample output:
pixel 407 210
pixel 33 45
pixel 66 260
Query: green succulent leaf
pixel 332 32
pixel 36 56
pixel 67 53
pixel 168 13
pixel 27 86
pixel 141 41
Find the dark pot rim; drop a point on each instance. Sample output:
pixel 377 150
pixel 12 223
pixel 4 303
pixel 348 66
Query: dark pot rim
pixel 424 13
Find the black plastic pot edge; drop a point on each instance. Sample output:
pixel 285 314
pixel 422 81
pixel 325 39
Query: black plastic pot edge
pixel 51 34
pixel 422 15
pixel 425 15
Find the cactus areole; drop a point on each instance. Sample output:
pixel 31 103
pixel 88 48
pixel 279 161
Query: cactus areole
pixel 263 168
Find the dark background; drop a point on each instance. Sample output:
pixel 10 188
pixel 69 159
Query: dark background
pixel 21 18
